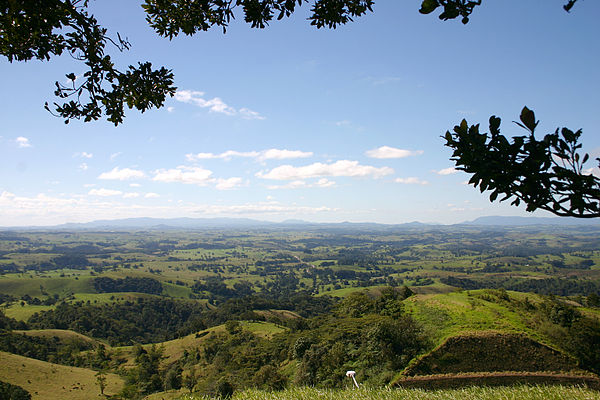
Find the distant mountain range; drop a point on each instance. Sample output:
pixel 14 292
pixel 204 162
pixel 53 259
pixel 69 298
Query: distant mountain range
pixel 215 223
pixel 529 221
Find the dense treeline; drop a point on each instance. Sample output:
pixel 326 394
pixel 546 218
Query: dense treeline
pixel 50 349
pixel 71 261
pixel 127 284
pixel 142 321
pixel 152 320
pixel 13 392
pixel 370 335
pixel 7 324
pixel 555 286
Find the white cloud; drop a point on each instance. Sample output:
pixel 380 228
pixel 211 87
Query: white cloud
pixel 447 171
pixel 392 152
pixel 131 195
pixel 269 154
pixel 194 97
pixel 115 155
pixel 411 181
pixel 89 185
pixel 170 109
pixel 122 174
pixel 151 195
pixel 230 183
pixel 22 142
pixel 318 170
pixel 214 105
pixel 226 155
pixel 83 166
pixel 343 123
pixel 249 114
pixel 104 192
pixel 324 183
pixel 283 154
pixel 134 185
pixel 183 174
pixel 6 196
pixel 83 154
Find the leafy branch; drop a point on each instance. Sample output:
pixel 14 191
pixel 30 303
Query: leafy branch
pixel 41 29
pixel 547 174
pixel 169 18
pixel 462 8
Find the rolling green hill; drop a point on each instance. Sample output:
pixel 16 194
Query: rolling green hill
pixel 47 381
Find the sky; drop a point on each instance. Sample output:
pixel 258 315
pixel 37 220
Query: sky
pixel 292 122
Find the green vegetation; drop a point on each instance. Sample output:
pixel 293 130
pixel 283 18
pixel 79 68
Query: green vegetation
pixel 13 392
pixel 472 393
pixel 208 312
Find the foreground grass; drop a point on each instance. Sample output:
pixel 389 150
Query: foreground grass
pixel 470 393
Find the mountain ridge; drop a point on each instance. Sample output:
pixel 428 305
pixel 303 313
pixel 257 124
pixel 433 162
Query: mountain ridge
pixel 225 222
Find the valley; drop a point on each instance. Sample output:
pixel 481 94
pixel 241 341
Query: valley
pixel 131 312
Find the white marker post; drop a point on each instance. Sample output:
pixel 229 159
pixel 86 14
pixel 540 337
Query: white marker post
pixel 351 375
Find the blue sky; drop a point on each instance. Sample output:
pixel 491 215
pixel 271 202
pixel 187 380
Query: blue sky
pixel 295 122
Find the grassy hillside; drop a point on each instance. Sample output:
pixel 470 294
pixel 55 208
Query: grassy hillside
pixel 23 312
pixel 449 314
pixel 174 350
pixel 61 334
pixel 36 286
pixel 472 393
pixel 46 381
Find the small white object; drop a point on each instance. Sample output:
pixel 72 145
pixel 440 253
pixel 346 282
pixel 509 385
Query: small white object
pixel 351 375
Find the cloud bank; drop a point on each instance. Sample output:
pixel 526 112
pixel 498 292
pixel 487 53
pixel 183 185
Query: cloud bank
pixel 346 168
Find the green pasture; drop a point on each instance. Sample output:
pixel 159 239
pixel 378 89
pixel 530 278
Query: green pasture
pixel 444 315
pixel 23 312
pixel 36 287
pixel 263 329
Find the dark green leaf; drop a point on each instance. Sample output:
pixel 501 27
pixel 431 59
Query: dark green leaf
pixel 428 6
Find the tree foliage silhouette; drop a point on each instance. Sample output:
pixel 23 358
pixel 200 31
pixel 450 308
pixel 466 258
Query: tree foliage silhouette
pixel 547 174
